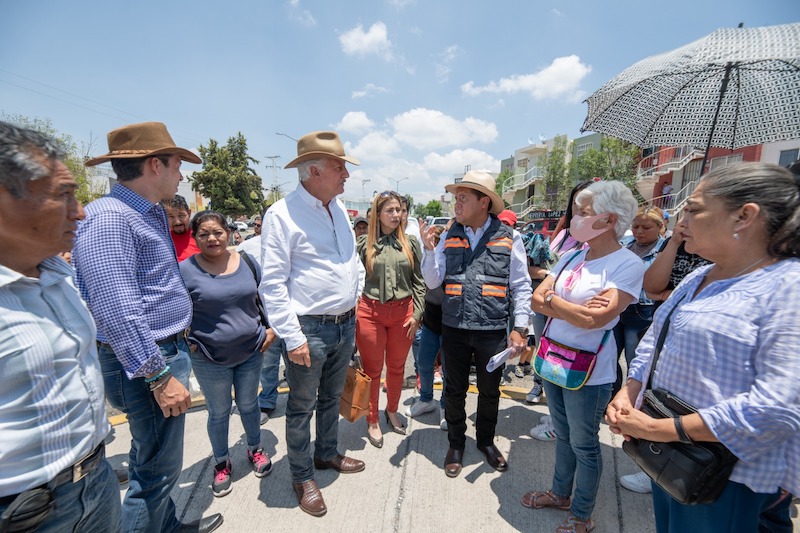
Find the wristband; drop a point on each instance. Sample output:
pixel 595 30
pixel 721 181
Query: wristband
pixel 158 376
pixel 153 385
pixel 682 435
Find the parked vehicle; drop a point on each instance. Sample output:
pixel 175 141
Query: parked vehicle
pixel 439 221
pixel 240 226
pixel 543 222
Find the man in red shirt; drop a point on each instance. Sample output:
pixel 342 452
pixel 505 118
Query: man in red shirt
pixel 179 215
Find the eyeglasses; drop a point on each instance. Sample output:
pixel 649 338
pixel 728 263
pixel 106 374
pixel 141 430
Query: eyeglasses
pixel 385 194
pixel 257 225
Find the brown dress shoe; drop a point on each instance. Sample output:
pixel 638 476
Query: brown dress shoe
pixel 452 462
pixel 340 463
pixel 310 497
pixel 494 457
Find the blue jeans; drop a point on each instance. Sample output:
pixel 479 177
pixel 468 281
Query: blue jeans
pixel 576 419
pixel 156 456
pixel 415 347
pixel 91 505
pixel 737 510
pixel 268 397
pixel 216 381
pixel 317 387
pixel 429 345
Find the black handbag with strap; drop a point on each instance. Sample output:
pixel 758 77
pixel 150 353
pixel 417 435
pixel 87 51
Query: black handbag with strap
pixel 691 473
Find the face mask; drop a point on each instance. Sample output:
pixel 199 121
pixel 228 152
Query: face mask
pixel 581 227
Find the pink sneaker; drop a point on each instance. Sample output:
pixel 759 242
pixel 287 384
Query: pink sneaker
pixel 262 465
pixel 221 485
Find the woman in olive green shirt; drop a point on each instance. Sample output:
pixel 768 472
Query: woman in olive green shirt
pixel 391 306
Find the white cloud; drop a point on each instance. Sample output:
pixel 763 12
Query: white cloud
pixel 375 41
pixel 455 161
pixel 369 89
pixel 301 16
pixel 443 64
pixel 400 4
pixel 356 122
pixel 559 80
pixel 427 129
pixel 557 13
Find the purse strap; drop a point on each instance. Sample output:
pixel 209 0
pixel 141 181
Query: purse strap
pixel 550 319
pixel 662 336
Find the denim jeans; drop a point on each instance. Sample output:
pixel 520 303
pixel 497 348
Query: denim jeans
pixel 90 506
pixel 415 347
pixel 737 510
pixel 429 345
pixel 633 324
pixel 576 419
pixel 216 381
pixel 317 387
pixel 268 397
pixel 156 456
pixel 458 347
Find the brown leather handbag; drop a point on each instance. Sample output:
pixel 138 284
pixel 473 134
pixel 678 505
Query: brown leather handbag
pixel 354 402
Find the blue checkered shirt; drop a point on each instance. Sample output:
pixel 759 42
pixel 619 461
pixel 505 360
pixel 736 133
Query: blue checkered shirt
pixel 128 274
pixel 733 351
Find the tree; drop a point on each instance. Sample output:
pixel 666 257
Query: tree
pixel 504 176
pixel 228 180
pixel 89 188
pixel 554 167
pixel 616 160
pixel 431 209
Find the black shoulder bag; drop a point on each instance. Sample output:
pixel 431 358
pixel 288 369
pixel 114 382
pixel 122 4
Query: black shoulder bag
pixel 690 472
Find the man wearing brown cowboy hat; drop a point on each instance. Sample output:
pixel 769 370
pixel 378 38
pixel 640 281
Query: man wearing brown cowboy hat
pixel 128 274
pixel 484 269
pixel 312 279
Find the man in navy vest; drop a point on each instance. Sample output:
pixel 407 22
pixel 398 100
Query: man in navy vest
pixel 484 269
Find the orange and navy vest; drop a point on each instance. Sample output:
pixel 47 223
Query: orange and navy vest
pixel 476 281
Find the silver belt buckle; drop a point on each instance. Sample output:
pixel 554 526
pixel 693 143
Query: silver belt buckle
pixel 77 472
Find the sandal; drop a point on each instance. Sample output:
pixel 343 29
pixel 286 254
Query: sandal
pixel 576 525
pixel 539 500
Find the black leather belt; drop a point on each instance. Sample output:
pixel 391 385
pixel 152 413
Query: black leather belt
pixel 72 474
pixel 336 319
pixel 175 337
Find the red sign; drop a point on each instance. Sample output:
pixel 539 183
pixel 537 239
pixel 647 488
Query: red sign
pixel 352 212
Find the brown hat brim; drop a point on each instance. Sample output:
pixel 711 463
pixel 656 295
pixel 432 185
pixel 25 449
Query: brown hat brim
pixel 184 154
pixel 497 202
pixel 315 155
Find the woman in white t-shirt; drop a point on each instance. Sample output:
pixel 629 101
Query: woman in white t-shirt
pixel 584 297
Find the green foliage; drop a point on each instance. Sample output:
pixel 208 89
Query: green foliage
pixel 228 180
pixel 501 180
pixel 89 188
pixel 431 209
pixel 557 180
pixel 616 160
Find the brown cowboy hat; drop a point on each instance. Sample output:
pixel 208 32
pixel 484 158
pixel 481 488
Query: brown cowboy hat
pixel 141 140
pixel 320 144
pixel 483 182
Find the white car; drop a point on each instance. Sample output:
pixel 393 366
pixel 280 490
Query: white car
pixel 240 226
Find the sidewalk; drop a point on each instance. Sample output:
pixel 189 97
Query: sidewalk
pixel 403 488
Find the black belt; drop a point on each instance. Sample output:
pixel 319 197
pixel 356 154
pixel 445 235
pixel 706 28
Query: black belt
pixel 336 319
pixel 71 474
pixel 175 337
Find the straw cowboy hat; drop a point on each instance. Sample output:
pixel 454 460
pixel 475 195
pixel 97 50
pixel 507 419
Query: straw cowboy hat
pixel 320 144
pixel 141 140
pixel 480 181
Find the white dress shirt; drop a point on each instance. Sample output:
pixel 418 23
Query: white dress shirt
pixel 519 280
pixel 310 265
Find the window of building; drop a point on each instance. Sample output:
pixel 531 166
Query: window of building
pixel 788 157
pixel 581 149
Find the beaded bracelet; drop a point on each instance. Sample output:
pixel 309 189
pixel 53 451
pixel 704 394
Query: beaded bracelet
pixel 158 376
pixel 153 385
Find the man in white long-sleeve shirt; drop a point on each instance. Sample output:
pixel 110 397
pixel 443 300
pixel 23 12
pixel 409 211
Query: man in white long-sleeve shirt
pixel 311 281
pixel 484 269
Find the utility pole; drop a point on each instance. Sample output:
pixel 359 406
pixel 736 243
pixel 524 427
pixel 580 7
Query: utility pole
pixel 364 181
pixel 397 184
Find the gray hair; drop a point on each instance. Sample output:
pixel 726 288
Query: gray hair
pixel 304 167
pixel 21 153
pixel 611 197
pixel 773 188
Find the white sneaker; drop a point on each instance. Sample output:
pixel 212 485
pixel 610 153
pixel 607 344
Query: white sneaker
pixel 442 419
pixel 420 408
pixel 545 432
pixel 535 395
pixel 639 482
pixel 545 419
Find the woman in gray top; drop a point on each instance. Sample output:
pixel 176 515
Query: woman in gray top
pixel 227 339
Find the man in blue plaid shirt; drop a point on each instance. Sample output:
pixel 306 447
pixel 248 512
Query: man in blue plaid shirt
pixel 128 274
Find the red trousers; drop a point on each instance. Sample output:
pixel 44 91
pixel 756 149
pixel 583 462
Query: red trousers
pixel 381 337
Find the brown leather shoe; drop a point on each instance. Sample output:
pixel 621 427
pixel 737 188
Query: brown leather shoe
pixel 452 462
pixel 340 463
pixel 310 497
pixel 494 457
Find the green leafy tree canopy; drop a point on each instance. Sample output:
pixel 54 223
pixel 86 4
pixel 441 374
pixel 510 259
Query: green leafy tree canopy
pixel 228 180
pixel 616 160
pixel 431 209
pixel 555 169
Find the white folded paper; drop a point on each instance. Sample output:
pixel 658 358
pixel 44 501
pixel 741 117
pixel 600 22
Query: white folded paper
pixel 498 359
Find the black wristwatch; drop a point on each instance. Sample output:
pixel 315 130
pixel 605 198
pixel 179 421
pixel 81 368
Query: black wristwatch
pixel 522 331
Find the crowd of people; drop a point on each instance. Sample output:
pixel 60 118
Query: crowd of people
pixel 152 293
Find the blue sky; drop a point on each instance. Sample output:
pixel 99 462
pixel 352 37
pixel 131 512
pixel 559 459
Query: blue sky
pixel 417 89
